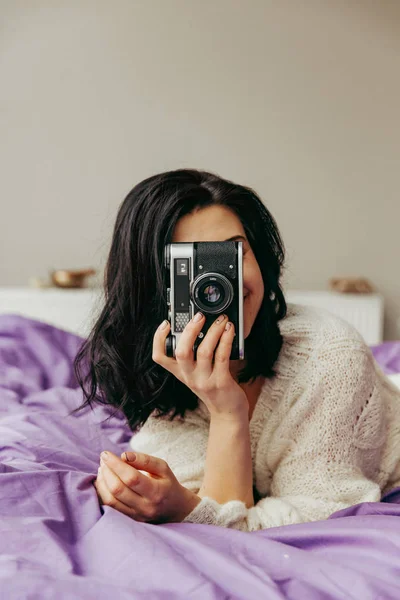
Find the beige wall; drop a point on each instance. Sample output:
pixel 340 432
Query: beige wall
pixel 299 100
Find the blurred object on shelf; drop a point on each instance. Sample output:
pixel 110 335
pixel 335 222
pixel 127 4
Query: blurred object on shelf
pixel 66 278
pixel 351 285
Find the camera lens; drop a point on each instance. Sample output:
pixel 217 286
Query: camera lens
pixel 212 292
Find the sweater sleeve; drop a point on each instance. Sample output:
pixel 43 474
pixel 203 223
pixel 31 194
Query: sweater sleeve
pixel 326 453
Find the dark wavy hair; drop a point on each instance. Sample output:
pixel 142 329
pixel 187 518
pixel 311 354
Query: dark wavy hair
pixel 114 365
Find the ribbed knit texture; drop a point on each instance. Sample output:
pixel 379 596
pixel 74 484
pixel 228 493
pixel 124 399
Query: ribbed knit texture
pixel 325 432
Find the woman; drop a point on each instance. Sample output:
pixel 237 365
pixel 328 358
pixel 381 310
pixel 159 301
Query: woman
pixel 306 425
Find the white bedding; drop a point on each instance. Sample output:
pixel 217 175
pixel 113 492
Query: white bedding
pixel 395 379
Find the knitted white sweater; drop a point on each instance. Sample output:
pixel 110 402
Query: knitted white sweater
pixel 325 432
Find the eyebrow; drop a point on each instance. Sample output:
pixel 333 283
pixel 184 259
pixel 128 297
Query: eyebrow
pixel 236 237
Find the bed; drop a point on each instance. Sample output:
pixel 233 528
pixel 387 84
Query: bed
pixel 57 542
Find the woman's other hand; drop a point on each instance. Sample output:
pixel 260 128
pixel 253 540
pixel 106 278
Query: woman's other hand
pixel 208 376
pixel 155 496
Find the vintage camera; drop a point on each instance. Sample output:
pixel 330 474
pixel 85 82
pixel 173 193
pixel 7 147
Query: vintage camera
pixel 205 277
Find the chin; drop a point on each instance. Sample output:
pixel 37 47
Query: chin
pixel 246 328
pixel 246 332
pixel 248 323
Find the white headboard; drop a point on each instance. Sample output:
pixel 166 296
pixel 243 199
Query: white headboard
pixel 72 310
pixel 364 311
pixel 75 310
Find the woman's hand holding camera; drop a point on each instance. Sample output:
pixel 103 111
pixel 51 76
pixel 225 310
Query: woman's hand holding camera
pixel 209 376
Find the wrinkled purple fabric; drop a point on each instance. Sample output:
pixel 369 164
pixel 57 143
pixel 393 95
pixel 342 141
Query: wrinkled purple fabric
pixel 56 542
pixel 388 357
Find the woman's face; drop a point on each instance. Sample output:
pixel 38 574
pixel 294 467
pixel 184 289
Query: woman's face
pixel 219 224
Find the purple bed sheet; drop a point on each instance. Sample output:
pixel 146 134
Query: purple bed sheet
pixel 387 356
pixel 56 541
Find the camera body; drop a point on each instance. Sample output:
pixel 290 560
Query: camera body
pixel 204 277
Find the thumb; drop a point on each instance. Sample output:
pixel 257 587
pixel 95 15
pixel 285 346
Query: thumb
pixel 146 462
pixel 129 456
